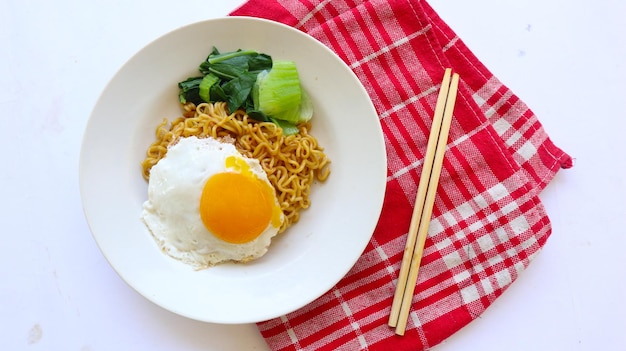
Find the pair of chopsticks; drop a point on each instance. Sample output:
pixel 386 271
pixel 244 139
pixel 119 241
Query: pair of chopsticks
pixel 422 212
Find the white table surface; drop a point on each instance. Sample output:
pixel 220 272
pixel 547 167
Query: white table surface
pixel 565 59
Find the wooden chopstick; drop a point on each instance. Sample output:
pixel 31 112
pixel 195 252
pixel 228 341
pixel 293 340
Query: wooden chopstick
pixel 425 198
pixel 420 198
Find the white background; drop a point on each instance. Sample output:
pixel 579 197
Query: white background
pixel 565 59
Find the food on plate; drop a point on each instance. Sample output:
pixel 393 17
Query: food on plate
pixel 267 90
pixel 209 204
pixel 292 163
pixel 214 176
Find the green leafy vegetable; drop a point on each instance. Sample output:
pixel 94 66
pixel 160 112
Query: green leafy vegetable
pixel 288 127
pixel 246 79
pixel 205 86
pixel 227 77
pixel 277 92
pixel 189 90
pixel 306 107
pixel 238 90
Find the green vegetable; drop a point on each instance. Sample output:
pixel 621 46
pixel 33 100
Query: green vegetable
pixel 205 86
pixel 189 90
pixel 267 90
pixel 306 107
pixel 277 92
pixel 227 77
pixel 288 127
pixel 238 90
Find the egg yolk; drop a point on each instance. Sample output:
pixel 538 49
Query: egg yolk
pixel 236 206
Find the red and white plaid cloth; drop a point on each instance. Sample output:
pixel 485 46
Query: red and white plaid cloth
pixel 488 222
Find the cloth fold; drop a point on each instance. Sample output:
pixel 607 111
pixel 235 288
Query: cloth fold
pixel 488 222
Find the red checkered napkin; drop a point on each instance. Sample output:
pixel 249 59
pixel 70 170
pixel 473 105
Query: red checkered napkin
pixel 488 222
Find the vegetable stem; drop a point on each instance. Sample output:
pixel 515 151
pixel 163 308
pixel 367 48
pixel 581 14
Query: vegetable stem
pixel 222 57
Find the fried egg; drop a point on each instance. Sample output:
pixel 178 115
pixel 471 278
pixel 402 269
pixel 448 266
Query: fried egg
pixel 208 204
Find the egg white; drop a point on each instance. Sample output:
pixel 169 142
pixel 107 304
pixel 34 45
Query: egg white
pixel 172 211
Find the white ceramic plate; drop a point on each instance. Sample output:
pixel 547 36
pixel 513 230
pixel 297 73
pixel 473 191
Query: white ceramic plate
pixel 303 263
